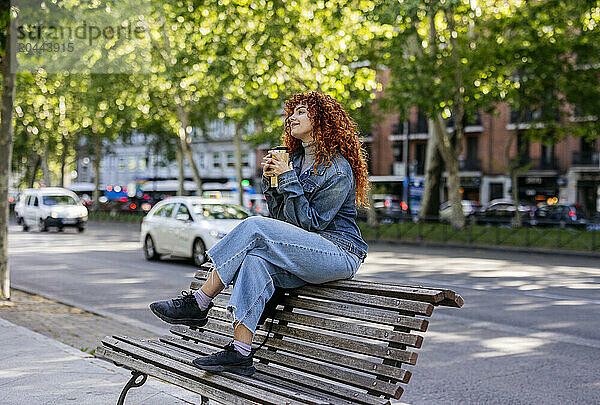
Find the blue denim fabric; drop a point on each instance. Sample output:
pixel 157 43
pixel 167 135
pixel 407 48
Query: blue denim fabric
pixel 321 202
pixel 261 253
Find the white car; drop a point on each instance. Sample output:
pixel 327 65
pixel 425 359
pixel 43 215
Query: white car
pixel 51 207
pixel 188 226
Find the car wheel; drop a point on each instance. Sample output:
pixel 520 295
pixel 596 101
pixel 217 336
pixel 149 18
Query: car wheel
pixel 198 252
pixel 150 249
pixel 25 227
pixel 19 220
pixel 80 229
pixel 42 225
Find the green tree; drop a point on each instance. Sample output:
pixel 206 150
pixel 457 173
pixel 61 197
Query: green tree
pixel 552 49
pixel 442 61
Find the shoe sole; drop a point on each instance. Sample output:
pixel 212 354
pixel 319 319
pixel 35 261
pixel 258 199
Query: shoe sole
pixel 186 322
pixel 242 370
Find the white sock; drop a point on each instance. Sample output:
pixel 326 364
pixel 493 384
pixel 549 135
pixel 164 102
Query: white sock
pixel 202 299
pixel 242 348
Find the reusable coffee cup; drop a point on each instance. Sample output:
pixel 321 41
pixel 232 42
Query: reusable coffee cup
pixel 283 151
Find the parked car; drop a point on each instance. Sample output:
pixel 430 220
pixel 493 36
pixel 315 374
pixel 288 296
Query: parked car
pixel 560 215
pixel 469 207
pixel 501 212
pixel 52 207
pixel 188 226
pixel 258 205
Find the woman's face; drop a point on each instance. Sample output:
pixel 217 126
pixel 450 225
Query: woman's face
pixel 300 126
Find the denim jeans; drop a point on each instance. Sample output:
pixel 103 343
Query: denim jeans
pixel 261 253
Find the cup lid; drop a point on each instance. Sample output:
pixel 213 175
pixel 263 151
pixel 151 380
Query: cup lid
pixel 285 148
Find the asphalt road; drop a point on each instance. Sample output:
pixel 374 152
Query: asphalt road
pixel 529 332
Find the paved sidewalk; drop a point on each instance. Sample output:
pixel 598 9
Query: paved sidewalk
pixel 37 369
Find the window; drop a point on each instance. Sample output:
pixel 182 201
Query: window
pixel 216 159
pixel 398 151
pixel 165 211
pixel 36 203
pixel 230 160
pixel 121 163
pixel 202 157
pixel 183 210
pixel 131 164
pixel 245 160
pixel 142 163
pixel 472 146
pixel 59 200
pixel 220 211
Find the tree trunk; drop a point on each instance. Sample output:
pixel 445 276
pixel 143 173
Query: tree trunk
pixel 512 171
pixel 371 215
pixel 181 175
pixel 45 168
pixel 63 161
pixel 6 145
pixel 450 155
pixel 63 139
pixel 238 161
pixel 97 160
pixel 430 203
pixel 516 221
pixel 185 141
pixel 32 168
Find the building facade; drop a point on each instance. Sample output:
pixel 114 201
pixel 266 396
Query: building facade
pixel 134 162
pixel 568 170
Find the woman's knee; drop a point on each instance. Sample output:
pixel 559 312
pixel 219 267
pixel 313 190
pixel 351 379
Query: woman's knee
pixel 258 223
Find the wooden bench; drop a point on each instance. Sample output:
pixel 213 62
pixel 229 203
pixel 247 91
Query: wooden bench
pixel 345 342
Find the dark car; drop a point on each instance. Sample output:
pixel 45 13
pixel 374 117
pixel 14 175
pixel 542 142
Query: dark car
pixel 388 209
pixel 560 216
pixel 502 212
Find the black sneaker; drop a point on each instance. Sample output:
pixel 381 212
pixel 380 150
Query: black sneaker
pixel 227 360
pixel 182 310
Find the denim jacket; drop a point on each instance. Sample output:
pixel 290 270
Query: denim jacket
pixel 323 203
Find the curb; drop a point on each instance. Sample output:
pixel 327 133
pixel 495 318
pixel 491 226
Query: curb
pixel 123 319
pixel 484 247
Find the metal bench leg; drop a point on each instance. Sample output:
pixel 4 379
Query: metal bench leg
pixel 132 383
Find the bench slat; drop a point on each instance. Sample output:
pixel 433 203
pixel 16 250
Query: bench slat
pixel 371 332
pixel 413 307
pixel 366 331
pixel 370 300
pixel 322 370
pixel 419 293
pixel 177 353
pixel 293 377
pixel 321 339
pixel 340 359
pixel 353 311
pixel 222 381
pixel 194 385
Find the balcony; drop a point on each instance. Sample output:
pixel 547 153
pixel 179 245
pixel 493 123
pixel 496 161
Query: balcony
pixel 419 126
pixel 586 158
pixel 469 165
pixel 544 164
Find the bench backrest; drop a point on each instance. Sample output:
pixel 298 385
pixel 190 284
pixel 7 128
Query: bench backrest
pixel 346 338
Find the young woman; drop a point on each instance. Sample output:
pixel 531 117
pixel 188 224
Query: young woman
pixel 311 235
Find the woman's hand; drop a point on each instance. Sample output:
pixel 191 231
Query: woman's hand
pixel 274 165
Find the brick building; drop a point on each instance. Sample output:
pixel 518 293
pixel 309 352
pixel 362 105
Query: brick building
pixel 568 170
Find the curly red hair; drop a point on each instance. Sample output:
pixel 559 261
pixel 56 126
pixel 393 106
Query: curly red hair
pixel 333 129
